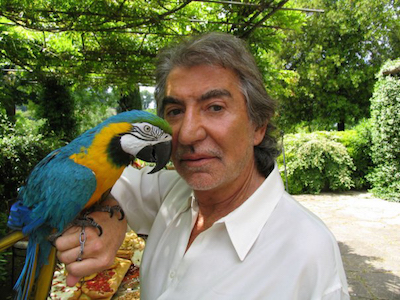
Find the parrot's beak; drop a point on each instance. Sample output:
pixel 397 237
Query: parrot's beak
pixel 159 153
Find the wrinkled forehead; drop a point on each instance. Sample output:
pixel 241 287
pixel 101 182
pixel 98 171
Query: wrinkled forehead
pixel 200 82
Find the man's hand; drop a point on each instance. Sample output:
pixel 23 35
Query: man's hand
pixel 99 251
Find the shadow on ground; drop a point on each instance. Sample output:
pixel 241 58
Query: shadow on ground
pixel 364 280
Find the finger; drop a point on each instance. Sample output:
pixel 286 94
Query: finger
pixel 72 280
pixel 70 255
pixel 85 267
pixel 70 248
pixel 69 239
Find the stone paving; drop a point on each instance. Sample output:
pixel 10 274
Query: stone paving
pixel 368 232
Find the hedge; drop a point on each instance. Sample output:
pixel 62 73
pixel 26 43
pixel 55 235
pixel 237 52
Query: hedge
pixel 385 115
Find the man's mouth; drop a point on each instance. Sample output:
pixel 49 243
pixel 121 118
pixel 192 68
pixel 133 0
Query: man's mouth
pixel 191 157
pixel 195 160
pixel 195 157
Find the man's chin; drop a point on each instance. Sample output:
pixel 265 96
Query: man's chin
pixel 198 180
pixel 201 185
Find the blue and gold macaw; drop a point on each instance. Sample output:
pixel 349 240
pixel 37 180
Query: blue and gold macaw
pixel 72 179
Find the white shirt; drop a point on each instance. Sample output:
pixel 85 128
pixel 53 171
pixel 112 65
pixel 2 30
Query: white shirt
pixel 270 247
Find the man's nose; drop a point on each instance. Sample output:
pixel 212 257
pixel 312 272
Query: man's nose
pixel 192 128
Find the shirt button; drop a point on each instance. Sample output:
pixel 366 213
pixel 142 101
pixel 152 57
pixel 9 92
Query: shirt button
pixel 172 274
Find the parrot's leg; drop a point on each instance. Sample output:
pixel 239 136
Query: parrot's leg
pixel 86 221
pixel 107 208
pixel 52 237
pixel 82 221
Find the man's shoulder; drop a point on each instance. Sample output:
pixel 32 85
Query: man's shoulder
pixel 293 221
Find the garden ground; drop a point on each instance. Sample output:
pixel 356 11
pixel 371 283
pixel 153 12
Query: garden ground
pixel 368 232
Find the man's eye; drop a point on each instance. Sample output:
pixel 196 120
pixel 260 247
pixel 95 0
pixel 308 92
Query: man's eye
pixel 216 108
pixel 174 112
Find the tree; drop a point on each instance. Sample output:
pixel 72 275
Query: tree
pixel 331 65
pixel 93 104
pixel 130 99
pixel 13 91
pixel 57 106
pixel 114 43
pixel 119 40
pixel 147 98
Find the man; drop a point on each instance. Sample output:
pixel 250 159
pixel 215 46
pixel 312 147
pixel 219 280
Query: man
pixel 225 228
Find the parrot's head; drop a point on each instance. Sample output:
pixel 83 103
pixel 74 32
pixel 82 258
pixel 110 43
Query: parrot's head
pixel 149 143
pixel 147 137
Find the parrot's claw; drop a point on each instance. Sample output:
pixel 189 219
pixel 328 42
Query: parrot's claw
pixel 54 236
pixel 110 209
pixel 86 221
pixel 83 221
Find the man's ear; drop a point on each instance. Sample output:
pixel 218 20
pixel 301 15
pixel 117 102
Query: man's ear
pixel 259 134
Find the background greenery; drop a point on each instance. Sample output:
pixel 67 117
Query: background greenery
pixel 324 161
pixel 332 66
pixel 385 111
pixel 67 65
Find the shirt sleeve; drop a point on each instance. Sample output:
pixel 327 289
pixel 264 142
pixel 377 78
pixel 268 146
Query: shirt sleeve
pixel 141 194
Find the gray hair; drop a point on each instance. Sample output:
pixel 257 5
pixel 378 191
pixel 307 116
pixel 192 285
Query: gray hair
pixel 229 52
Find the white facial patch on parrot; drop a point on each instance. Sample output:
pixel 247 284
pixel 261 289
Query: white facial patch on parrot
pixel 142 135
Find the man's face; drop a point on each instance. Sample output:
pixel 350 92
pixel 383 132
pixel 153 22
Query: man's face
pixel 213 137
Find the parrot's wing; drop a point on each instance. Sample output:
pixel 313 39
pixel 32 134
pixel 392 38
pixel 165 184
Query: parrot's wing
pixel 57 190
pixel 54 194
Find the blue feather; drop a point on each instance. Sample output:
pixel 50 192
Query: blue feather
pixel 22 285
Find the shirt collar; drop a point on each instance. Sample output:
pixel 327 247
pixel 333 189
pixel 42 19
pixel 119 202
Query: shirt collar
pixel 245 223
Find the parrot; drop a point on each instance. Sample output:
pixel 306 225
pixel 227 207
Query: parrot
pixel 73 179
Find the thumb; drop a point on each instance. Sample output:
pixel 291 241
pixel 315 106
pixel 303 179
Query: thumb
pixel 72 280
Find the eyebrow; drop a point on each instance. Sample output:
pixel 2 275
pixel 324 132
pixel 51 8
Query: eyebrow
pixel 215 94
pixel 206 96
pixel 169 100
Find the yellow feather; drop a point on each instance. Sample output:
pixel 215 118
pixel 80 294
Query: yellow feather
pixel 96 158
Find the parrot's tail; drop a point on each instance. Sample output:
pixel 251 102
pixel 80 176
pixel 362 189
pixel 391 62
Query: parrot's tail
pixel 45 279
pixel 10 240
pixel 38 271
pixel 24 284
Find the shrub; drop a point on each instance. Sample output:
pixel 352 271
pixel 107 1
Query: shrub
pixel 317 163
pixel 20 152
pixel 385 112
pixel 3 255
pixel 358 144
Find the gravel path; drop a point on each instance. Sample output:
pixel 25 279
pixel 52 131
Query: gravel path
pixel 368 233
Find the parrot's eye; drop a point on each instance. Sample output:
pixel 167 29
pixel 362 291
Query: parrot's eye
pixel 146 128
